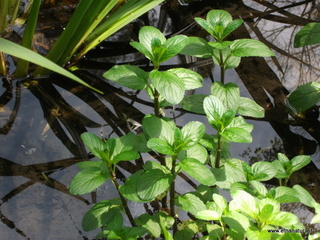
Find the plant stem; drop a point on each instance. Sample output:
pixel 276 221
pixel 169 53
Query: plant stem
pixel 172 193
pixel 123 200
pixel 3 68
pixel 218 155
pixel 221 67
pixel 156 103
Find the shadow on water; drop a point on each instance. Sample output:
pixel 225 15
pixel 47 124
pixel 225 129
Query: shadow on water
pixel 41 120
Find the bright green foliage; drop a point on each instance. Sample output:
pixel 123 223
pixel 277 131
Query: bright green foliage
pixel 188 150
pixel 226 54
pixel 308 35
pixel 286 167
pixel 164 87
pixel 304 97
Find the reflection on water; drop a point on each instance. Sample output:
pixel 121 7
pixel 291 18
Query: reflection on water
pixel 41 121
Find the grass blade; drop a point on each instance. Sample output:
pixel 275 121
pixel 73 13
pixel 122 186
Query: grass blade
pixel 22 65
pixel 124 15
pixel 21 52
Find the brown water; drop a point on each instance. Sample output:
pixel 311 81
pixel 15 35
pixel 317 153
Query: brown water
pixel 40 124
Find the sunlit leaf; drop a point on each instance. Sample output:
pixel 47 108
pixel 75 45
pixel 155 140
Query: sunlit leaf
pixel 160 146
pixel 191 79
pixel 198 171
pixel 299 162
pixel 250 48
pixel 263 171
pixel 228 94
pixel 191 203
pixel 214 110
pixel 88 180
pixel 128 76
pixel 250 108
pixel 192 132
pixel 169 85
pixel 236 134
pixel 173 46
pixel 244 202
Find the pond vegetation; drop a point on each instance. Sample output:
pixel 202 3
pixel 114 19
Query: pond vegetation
pixel 179 150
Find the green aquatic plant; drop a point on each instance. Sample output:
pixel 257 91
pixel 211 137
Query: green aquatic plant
pixel 252 211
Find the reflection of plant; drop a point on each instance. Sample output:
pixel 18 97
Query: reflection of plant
pixel 253 212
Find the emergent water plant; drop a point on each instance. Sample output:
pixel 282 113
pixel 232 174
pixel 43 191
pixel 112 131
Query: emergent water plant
pixel 250 210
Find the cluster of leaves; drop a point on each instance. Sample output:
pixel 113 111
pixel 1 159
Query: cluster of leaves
pixel 253 210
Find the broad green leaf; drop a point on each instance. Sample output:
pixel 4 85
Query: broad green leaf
pixel 304 196
pixel 26 54
pixel 161 128
pixel 88 164
pixel 126 156
pixel 191 79
pixel 232 26
pixel 220 201
pixel 250 108
pixel 169 85
pixel 220 45
pixel 150 222
pixel 236 134
pixel 97 215
pixel 192 132
pixel 196 151
pixel 94 143
pixel 124 143
pixel 299 162
pixel 308 35
pixel 160 146
pixel 164 227
pixel 244 202
pixel 214 110
pixel 191 203
pixel 198 171
pixel 148 35
pixel 142 49
pixel 253 233
pixel 304 97
pixel 152 183
pixel 173 46
pixel 238 224
pixel 88 180
pixel 283 219
pixel 194 103
pixel 281 170
pixel 132 233
pixel 283 158
pixel 215 231
pixel 209 215
pixel 116 222
pixel 267 207
pixel 284 194
pixel 197 47
pixel 250 48
pixel 240 122
pixel 263 171
pixel 128 76
pixel 228 94
pixel 128 190
pixel 259 187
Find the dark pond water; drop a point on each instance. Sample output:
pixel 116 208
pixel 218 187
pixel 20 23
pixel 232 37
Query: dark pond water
pixel 41 122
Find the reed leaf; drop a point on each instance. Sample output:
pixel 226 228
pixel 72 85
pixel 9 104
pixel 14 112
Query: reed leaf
pixel 130 11
pixel 22 65
pixel 88 14
pixel 18 51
